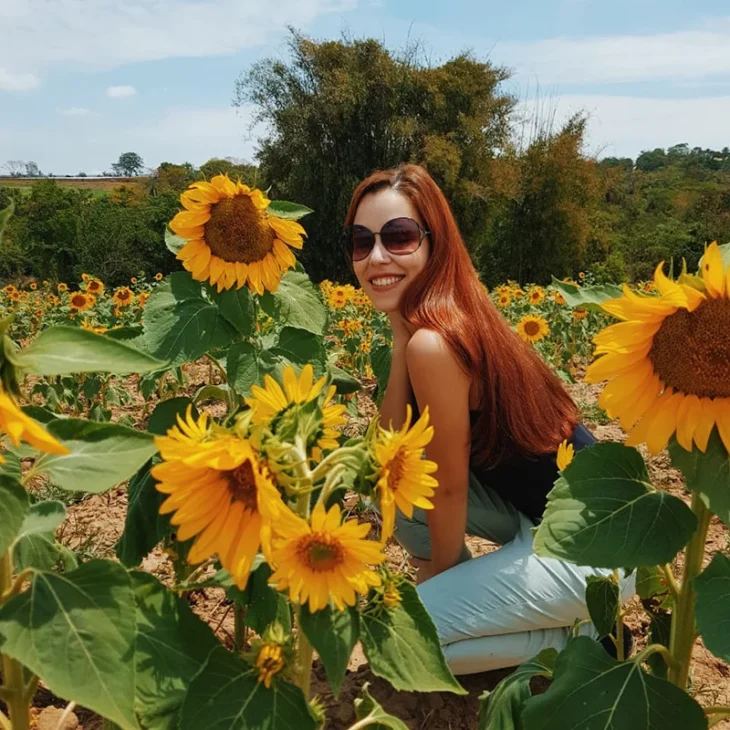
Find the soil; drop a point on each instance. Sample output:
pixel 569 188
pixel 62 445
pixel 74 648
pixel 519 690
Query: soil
pixel 94 524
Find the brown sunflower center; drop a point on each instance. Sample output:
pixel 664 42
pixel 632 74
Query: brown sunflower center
pixel 320 552
pixel 691 350
pixel 531 327
pixel 242 485
pixel 78 300
pixel 123 294
pixel 237 231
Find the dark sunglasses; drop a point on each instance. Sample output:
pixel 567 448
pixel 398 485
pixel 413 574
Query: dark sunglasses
pixel 400 236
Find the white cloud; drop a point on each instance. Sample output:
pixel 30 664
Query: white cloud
pixel 120 92
pixel 77 111
pixel 682 55
pixel 11 81
pixel 623 126
pixel 105 34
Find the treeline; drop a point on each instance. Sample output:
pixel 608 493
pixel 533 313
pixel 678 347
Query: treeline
pixel 529 204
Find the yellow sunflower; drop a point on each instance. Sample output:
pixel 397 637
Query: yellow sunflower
pixel 158 276
pixel 33 286
pixel 142 298
pixel 536 295
pixel 566 452
pixel 405 479
pixel 271 401
pixel 532 329
pixel 338 297
pixel 503 299
pixel 80 301
pixel 558 298
pixel 325 559
pixel 9 289
pixel 232 239
pixel 62 288
pixel 123 296
pixel 94 286
pixel 20 427
pixel 269 661
pixel 218 491
pixel 668 361
pixel 579 314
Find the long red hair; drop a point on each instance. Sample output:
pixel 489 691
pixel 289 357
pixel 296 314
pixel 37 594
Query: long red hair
pixel 524 408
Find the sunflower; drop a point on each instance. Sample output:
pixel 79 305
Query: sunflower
pixel 85 277
pixel 123 296
pixel 339 296
pixel 503 299
pixel 566 452
pixel 324 558
pixel 62 288
pixel 94 286
pixel 536 295
pixel 20 427
pixel 9 289
pixel 532 329
pixel 271 401
pixel 579 314
pixel 558 298
pixel 218 491
pixel 269 661
pixel 404 474
pixel 80 301
pixel 142 298
pixel 232 238
pixel 668 362
pixel 133 280
pixel 158 276
pixel 33 286
pixel 15 296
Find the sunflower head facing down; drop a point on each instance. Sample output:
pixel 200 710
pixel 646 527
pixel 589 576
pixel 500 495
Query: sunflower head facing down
pixel 232 237
pixel 80 301
pixel 123 296
pixel 218 491
pixel 404 480
pixel 323 559
pixel 668 360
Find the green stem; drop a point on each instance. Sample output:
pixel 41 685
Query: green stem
pixel 643 655
pixel 239 627
pixel 221 369
pixel 619 620
pixel 683 633
pixel 17 702
pixel 304 658
pixel 717 713
pixel 671 580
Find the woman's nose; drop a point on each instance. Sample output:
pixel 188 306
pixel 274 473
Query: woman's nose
pixel 379 252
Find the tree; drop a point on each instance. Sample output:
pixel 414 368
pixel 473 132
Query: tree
pixel 649 161
pixel 232 167
pixel 32 170
pixel 14 168
pixel 337 110
pixel 129 164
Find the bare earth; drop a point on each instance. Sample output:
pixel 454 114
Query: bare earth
pixel 96 523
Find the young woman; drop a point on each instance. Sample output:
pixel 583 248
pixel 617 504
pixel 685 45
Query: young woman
pixel 499 414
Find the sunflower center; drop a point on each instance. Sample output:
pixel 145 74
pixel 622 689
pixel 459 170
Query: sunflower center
pixel 237 231
pixel 397 469
pixel 242 485
pixel 691 350
pixel 78 300
pixel 531 327
pixel 320 552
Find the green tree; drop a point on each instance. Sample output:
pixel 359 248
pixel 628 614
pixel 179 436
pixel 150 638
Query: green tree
pixel 546 221
pixel 235 169
pixel 128 164
pixel 337 110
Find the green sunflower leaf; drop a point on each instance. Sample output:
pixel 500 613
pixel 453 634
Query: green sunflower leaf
pixel 288 211
pixel 226 695
pixel 587 297
pixel 603 512
pixel 296 303
pixel 602 597
pixel 366 708
pixel 35 545
pixel 713 598
pixel 402 646
pixel 14 506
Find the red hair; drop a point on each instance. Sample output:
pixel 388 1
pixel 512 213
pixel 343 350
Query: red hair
pixel 524 408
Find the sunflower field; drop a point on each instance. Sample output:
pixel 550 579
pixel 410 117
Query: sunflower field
pixel 224 396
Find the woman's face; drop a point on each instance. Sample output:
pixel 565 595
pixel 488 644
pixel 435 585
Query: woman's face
pixel 382 275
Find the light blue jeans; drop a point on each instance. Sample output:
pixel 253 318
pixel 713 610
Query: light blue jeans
pixel 503 608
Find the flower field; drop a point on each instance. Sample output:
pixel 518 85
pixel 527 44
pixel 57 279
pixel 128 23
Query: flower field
pixel 190 470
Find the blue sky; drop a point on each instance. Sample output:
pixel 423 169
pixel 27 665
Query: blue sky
pixel 82 81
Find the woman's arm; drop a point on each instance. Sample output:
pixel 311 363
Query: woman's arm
pixel 440 383
pixel 398 391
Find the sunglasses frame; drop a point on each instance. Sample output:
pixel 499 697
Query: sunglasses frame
pixel 350 249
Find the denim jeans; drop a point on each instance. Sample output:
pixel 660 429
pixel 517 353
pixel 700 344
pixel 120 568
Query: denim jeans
pixel 502 608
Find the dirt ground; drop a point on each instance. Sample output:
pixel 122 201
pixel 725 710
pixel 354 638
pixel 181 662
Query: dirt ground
pixel 96 523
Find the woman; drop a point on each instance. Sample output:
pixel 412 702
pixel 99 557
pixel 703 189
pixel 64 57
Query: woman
pixel 499 414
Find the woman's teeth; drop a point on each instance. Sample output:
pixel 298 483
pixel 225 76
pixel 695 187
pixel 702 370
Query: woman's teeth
pixel 386 280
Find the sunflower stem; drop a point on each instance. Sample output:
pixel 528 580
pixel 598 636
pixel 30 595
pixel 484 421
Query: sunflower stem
pixel 221 369
pixel 619 620
pixel 13 682
pixel 304 657
pixel 684 633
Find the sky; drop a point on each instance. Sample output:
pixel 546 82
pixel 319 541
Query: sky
pixel 82 81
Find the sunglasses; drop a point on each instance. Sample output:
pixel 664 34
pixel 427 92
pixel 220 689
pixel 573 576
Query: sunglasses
pixel 400 236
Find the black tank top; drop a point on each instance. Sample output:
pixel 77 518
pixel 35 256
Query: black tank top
pixel 525 481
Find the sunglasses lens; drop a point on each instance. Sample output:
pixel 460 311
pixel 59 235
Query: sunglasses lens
pixel 401 235
pixel 361 242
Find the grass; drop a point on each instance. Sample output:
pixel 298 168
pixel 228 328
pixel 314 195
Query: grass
pixel 98 187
